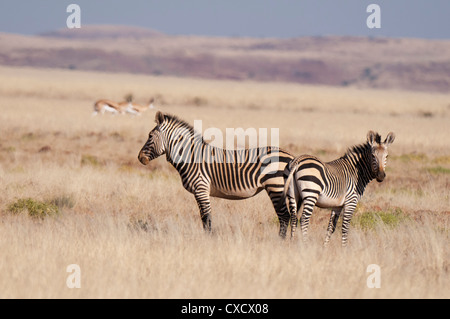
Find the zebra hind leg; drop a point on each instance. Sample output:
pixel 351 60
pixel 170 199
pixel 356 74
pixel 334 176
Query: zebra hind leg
pixel 294 219
pixel 204 205
pixel 294 208
pixel 308 207
pixel 281 210
pixel 283 218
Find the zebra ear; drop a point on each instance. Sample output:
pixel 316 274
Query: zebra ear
pixel 371 135
pixel 389 138
pixel 378 138
pixel 159 117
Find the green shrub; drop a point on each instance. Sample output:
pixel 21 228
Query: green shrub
pixel 35 209
pixel 369 220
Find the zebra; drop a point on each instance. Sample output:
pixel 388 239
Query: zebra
pixel 338 184
pixel 206 170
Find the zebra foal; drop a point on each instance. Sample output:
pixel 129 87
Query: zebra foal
pixel 338 184
pixel 206 170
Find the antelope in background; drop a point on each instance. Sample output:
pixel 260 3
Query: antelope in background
pixel 128 106
pixel 138 109
pixel 102 106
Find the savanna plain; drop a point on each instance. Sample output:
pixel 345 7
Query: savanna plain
pixel 73 192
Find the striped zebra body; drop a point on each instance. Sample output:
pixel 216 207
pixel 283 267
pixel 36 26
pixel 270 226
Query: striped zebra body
pixel 206 170
pixel 338 184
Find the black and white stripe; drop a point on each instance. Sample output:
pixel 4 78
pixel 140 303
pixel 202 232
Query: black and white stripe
pixel 338 184
pixel 206 170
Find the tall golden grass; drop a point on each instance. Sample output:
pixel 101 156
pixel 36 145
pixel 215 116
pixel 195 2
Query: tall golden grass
pixel 136 233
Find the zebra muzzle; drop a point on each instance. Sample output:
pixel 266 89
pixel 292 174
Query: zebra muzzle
pixel 143 159
pixel 381 176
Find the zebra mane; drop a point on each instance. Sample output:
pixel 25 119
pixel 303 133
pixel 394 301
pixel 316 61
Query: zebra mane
pixel 359 149
pixel 175 119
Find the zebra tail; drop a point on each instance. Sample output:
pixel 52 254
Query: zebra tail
pixel 293 165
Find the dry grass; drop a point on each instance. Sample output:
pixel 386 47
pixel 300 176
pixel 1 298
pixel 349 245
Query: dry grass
pixel 135 232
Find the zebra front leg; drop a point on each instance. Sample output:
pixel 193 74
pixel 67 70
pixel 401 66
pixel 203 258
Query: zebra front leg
pixel 332 224
pixel 204 205
pixel 308 207
pixel 347 217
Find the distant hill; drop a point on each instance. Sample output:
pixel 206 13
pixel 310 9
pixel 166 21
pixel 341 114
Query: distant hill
pixel 408 64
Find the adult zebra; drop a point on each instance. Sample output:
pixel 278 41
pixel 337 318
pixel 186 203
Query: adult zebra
pixel 206 170
pixel 337 185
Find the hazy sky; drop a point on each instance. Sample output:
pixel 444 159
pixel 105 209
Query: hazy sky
pixel 260 18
